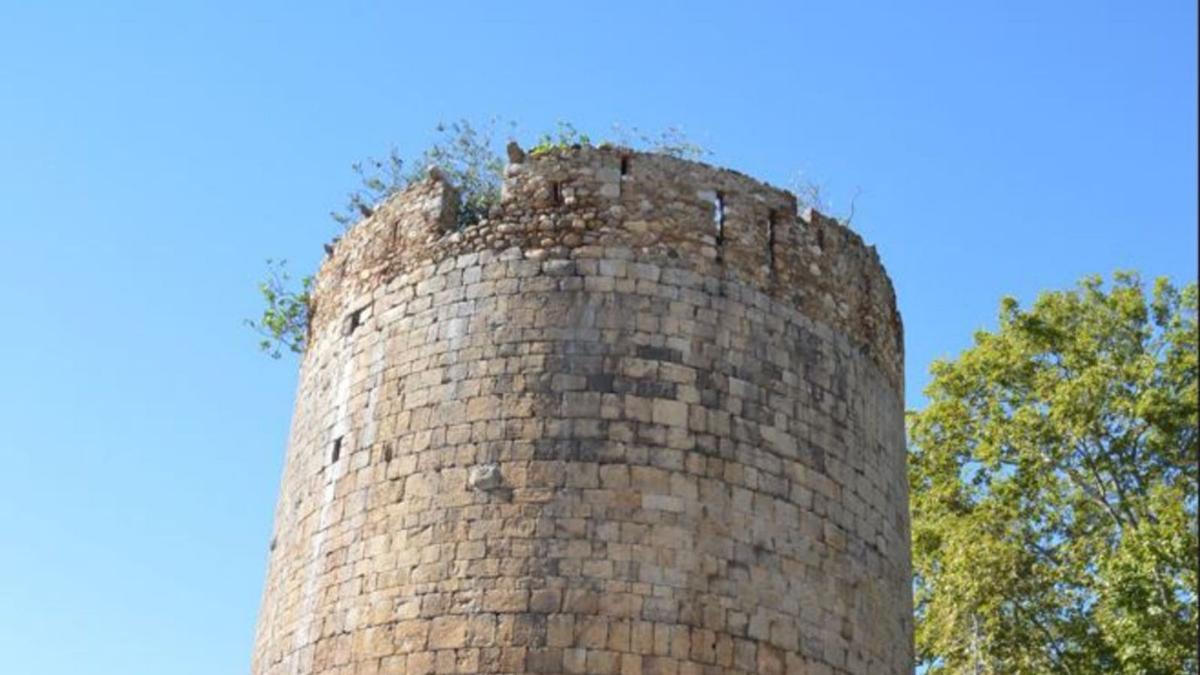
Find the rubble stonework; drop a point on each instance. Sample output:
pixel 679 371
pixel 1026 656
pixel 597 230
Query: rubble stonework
pixel 641 420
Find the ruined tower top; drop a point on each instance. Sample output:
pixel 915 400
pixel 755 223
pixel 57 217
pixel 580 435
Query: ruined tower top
pixel 569 203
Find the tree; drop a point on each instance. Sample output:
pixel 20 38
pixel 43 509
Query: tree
pixel 1053 476
pixel 283 325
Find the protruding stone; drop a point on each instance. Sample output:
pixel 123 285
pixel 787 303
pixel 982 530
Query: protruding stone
pixel 515 154
pixel 485 477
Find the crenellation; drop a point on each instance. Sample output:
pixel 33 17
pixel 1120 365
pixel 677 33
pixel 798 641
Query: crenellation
pixel 591 433
pixel 564 204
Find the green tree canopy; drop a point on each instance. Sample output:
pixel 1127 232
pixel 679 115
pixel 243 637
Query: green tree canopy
pixel 1053 477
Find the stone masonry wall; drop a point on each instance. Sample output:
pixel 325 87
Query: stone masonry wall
pixel 641 420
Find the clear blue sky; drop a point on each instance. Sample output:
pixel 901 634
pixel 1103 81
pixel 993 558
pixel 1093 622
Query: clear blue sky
pixel 153 154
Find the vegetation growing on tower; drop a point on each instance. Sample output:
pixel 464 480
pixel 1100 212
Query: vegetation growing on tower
pixel 468 156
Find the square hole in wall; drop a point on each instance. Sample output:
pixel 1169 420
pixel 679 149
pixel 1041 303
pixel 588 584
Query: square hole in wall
pixel 355 319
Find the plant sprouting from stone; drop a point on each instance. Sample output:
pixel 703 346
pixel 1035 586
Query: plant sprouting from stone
pixel 283 325
pixel 464 153
pixel 380 179
pixel 671 141
pixel 564 136
pixel 467 155
pixel 810 194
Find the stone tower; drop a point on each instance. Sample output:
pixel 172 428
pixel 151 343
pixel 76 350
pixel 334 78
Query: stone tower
pixel 644 419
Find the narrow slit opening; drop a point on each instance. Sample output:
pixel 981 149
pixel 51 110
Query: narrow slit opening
pixel 719 216
pixel 556 188
pixel 625 165
pixel 772 216
pixel 337 450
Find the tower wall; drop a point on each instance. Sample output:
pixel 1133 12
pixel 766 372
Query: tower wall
pixel 642 420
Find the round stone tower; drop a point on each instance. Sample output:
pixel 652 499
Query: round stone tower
pixel 644 419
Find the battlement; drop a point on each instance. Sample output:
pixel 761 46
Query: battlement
pixel 574 203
